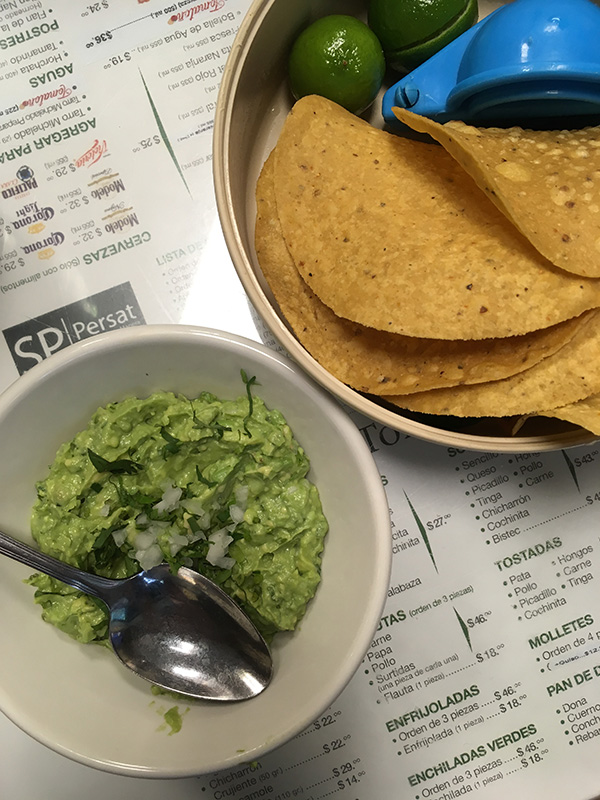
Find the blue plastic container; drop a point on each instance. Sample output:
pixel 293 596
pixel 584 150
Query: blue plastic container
pixel 529 60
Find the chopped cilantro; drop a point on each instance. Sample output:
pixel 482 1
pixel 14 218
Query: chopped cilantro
pixel 204 480
pixel 120 466
pixel 194 526
pixel 101 539
pixel 249 384
pixel 173 444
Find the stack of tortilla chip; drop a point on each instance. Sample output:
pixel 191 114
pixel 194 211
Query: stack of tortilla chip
pixel 459 280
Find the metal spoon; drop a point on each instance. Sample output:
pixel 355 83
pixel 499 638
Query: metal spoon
pixel 178 631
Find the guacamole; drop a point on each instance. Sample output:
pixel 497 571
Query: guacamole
pixel 216 485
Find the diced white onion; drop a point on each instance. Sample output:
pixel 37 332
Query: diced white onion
pixel 220 538
pixel 145 539
pixel 241 496
pixel 176 542
pixel 119 536
pixel 203 522
pixel 225 562
pixel 105 510
pixel 170 499
pixel 238 509
pixel 149 557
pixel 193 505
pixel 157 526
pixel 217 550
pixel 236 513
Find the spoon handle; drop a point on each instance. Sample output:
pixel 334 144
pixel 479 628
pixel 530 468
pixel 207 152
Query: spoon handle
pixel 84 581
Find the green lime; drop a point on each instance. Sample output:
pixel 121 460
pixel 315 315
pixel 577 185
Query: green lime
pixel 338 57
pixel 411 31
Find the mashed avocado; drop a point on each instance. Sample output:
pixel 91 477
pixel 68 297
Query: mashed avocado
pixel 219 486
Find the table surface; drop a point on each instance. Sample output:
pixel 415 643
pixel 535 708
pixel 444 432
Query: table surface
pixel 483 676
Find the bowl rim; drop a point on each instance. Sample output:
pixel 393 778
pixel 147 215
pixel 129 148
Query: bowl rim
pixel 222 171
pixel 364 629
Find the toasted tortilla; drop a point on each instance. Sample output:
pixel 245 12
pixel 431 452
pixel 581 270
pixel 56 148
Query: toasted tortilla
pixel 585 413
pixel 547 183
pixel 393 234
pixel 570 375
pixel 374 361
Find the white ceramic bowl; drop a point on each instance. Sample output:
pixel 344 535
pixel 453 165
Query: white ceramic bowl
pixel 254 100
pixel 79 700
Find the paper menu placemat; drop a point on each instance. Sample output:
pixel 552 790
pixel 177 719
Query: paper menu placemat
pixel 107 211
pixel 484 675
pixel 483 678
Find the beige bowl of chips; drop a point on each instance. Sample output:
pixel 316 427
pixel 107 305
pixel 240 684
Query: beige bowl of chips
pixel 416 366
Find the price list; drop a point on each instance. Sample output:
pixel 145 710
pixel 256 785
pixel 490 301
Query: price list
pixel 321 762
pixel 484 675
pixel 84 182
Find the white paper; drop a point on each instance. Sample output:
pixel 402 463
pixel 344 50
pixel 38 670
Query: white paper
pixel 484 677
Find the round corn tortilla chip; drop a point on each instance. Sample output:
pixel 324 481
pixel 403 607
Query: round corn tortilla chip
pixel 373 361
pixel 585 413
pixel 393 234
pixel 571 374
pixel 546 182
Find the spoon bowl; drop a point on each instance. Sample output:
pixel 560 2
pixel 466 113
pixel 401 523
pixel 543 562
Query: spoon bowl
pixel 180 631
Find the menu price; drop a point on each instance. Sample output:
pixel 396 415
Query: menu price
pixel 84 182
pixel 483 677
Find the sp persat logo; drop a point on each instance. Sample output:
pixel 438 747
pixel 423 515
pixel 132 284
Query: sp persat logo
pixel 32 341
